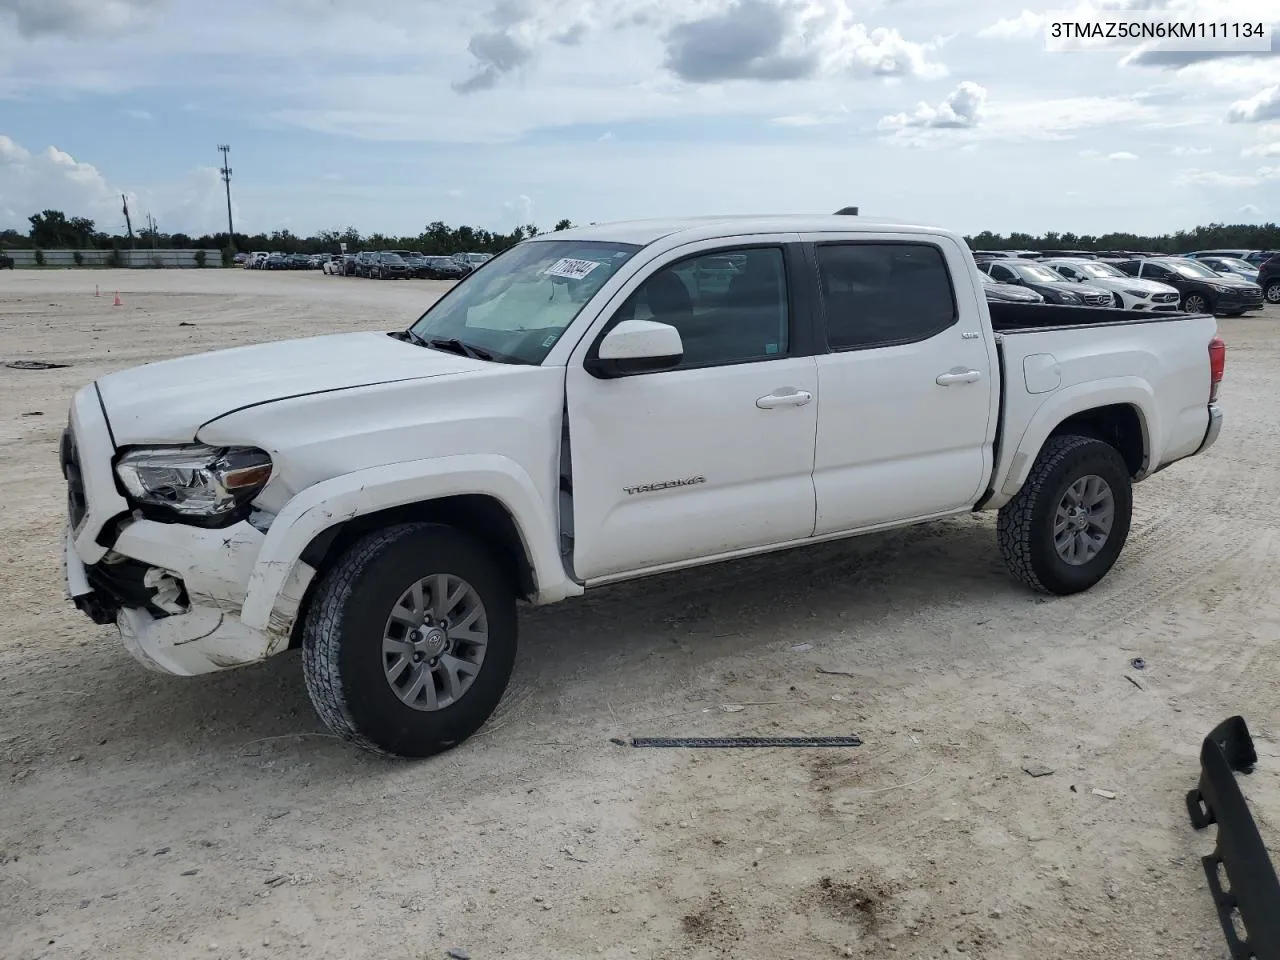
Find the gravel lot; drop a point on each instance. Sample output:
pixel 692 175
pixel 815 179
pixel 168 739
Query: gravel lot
pixel 144 816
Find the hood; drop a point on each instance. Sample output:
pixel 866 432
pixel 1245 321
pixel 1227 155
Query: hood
pixel 1011 293
pixel 1232 280
pixel 168 401
pixel 1132 283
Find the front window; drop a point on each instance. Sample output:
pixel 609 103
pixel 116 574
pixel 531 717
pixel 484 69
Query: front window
pixel 1039 274
pixel 516 308
pixel 1231 263
pixel 1189 268
pixel 1100 270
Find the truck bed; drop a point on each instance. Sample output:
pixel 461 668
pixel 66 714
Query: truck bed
pixel 1013 317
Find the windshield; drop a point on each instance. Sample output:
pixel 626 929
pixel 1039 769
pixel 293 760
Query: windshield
pixel 518 306
pixel 1233 263
pixel 1099 270
pixel 1031 271
pixel 1189 268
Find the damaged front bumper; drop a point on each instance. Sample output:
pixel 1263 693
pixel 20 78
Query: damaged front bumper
pixel 175 593
pixel 1248 903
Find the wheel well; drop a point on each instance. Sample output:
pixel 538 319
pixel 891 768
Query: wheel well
pixel 482 516
pixel 1118 425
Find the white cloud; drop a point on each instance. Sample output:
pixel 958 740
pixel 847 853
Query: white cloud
pixel 1122 155
pixel 1185 151
pixel 1262 150
pixel 1022 27
pixel 137 114
pixel 1214 178
pixel 1264 105
pixel 53 179
pixel 962 108
pixel 1250 212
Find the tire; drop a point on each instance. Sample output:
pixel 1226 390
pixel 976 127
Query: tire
pixel 1272 291
pixel 1026 525
pixel 1196 303
pixel 343 657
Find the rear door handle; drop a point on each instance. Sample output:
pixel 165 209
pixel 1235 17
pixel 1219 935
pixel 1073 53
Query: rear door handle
pixel 953 377
pixel 786 397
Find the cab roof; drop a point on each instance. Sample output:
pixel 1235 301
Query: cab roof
pixel 645 232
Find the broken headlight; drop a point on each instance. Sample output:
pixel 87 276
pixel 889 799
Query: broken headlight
pixel 196 483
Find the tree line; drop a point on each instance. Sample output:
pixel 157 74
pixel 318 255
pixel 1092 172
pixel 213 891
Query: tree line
pixel 53 230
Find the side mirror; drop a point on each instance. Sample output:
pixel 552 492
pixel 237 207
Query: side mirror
pixel 637 346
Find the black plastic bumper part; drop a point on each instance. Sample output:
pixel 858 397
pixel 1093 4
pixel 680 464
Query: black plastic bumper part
pixel 1251 898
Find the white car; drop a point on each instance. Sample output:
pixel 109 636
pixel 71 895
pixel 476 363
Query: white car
pixel 582 411
pixel 1130 293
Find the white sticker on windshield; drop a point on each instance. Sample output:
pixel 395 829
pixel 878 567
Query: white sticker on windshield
pixel 571 269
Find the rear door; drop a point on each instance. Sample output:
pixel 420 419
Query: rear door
pixel 907 417
pixel 714 456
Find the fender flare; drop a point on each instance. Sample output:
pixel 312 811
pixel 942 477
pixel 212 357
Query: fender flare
pixel 280 577
pixel 1118 391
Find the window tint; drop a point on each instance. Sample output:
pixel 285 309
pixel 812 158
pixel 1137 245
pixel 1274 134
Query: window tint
pixel 729 307
pixel 879 293
pixel 1066 271
pixel 1003 274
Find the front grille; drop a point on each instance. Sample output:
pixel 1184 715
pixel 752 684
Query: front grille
pixel 69 457
pixel 1097 299
pixel 1165 297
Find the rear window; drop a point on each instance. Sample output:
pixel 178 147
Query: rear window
pixel 876 294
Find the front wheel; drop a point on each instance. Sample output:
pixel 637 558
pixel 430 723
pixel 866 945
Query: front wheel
pixel 1195 303
pixel 1272 291
pixel 1065 529
pixel 410 639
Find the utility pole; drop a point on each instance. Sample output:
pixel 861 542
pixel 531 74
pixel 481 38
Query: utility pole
pixel 226 178
pixel 128 224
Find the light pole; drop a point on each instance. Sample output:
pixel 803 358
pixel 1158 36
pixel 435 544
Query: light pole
pixel 226 178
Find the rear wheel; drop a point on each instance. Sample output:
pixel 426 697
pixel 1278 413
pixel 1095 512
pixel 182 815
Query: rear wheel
pixel 1066 527
pixel 1195 303
pixel 410 640
pixel 1272 291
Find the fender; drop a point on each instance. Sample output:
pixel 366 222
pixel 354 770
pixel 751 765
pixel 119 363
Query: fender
pixel 1132 391
pixel 366 491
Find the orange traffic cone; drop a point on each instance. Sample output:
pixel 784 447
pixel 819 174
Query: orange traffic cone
pixel 118 302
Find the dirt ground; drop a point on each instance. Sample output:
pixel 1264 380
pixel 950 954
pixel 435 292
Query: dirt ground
pixel 143 816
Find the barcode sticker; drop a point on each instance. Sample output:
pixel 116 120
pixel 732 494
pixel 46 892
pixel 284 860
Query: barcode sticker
pixel 571 269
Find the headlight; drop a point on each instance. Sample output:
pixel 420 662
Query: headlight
pixel 1069 298
pixel 1140 294
pixel 195 481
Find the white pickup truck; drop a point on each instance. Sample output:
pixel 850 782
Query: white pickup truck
pixel 593 406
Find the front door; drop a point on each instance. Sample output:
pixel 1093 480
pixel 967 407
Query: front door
pixel 907 421
pixel 716 455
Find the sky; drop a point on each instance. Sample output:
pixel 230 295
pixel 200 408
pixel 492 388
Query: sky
pixel 388 116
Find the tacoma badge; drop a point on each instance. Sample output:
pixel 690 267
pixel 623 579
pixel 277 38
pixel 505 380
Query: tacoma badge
pixel 664 485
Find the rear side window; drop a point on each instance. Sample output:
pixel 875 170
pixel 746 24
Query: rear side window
pixel 876 294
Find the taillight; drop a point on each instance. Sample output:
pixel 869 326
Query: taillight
pixel 1217 365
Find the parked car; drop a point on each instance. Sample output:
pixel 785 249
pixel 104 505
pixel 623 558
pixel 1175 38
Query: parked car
pixel 1007 292
pixel 389 266
pixel 1237 253
pixel 299 261
pixel 444 268
pixel 1127 293
pixel 1231 265
pixel 473 260
pixel 277 261
pixel 1050 284
pixel 6 262
pixel 240 259
pixel 257 260
pixel 1269 279
pixel 363 263
pixel 389 498
pixel 415 261
pixel 1067 255
pixel 1202 290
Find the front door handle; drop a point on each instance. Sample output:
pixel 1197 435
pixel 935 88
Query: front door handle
pixel 787 397
pixel 959 376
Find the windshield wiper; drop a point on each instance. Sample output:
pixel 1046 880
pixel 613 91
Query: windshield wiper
pixel 457 346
